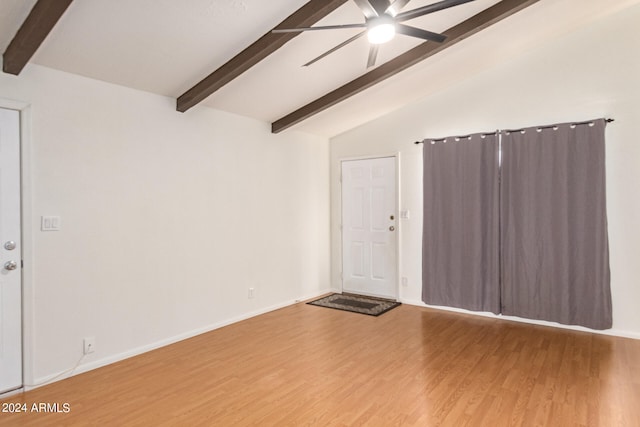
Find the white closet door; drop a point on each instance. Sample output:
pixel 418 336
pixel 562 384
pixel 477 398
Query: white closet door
pixel 10 253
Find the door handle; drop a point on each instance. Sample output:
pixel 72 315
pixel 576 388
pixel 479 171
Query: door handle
pixel 10 265
pixel 392 228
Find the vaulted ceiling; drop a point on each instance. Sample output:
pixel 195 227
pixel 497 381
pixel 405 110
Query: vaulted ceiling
pixel 168 46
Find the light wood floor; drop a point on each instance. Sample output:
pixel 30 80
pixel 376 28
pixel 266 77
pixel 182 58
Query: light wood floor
pixel 306 365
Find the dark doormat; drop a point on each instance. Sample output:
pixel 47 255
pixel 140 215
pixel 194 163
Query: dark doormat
pixel 356 303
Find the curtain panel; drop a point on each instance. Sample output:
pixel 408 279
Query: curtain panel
pixel 554 241
pixel 460 261
pixel 526 236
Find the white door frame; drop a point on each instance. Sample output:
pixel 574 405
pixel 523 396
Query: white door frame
pixel 398 257
pixel 27 238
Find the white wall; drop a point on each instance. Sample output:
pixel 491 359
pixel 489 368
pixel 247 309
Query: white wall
pixel 167 218
pixel 589 73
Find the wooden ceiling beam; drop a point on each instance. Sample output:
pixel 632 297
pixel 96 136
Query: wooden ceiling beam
pixel 41 20
pixel 306 16
pixel 455 34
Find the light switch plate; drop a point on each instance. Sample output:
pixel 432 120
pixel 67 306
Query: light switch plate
pixel 50 223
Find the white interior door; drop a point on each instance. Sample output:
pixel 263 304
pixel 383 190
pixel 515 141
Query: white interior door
pixel 10 253
pixel 369 223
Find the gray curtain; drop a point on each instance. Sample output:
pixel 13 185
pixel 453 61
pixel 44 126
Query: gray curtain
pixel 460 257
pixel 554 244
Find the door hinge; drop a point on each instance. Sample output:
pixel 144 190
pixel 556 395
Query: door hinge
pixel 21 263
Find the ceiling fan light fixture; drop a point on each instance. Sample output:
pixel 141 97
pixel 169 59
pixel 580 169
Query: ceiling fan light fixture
pixel 381 30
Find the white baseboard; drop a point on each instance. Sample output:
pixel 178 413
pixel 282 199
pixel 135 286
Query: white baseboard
pixel 316 295
pixel 8 394
pixel 85 367
pixel 612 332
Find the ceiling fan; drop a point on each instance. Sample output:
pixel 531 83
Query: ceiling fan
pixel 383 20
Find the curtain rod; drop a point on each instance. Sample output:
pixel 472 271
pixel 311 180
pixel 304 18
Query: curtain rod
pixel 509 130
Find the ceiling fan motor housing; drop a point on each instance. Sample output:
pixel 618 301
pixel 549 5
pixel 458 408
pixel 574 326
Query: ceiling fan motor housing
pixel 381 29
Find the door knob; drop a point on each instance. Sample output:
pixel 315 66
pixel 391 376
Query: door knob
pixel 392 228
pixel 10 245
pixel 10 265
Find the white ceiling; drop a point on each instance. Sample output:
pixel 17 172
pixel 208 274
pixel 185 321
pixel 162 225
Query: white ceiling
pixel 167 46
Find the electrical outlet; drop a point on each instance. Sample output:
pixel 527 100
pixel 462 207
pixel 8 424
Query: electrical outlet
pixel 89 344
pixel 252 292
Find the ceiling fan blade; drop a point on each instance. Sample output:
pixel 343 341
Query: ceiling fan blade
pixel 373 54
pixel 380 5
pixel 420 33
pixel 396 7
pixel 326 27
pixel 435 7
pixel 367 8
pixel 330 51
